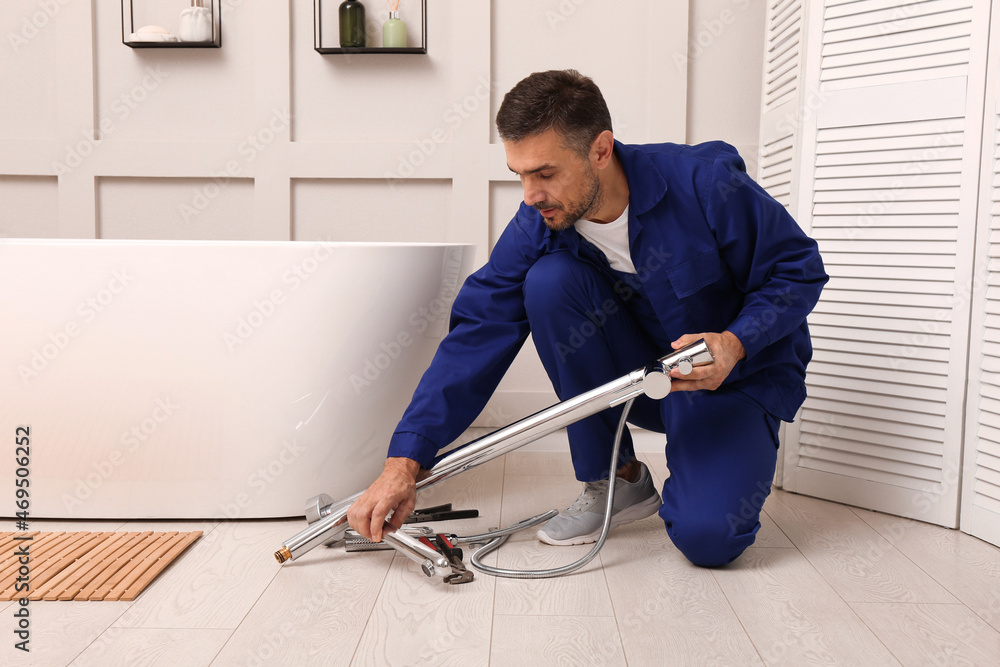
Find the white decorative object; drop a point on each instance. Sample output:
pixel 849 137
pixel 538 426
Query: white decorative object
pixel 196 23
pixel 152 33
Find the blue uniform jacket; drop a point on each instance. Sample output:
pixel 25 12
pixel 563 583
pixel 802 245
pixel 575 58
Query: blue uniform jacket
pixel 713 252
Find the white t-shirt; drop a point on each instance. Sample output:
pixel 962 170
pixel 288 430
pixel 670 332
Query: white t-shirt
pixel 611 238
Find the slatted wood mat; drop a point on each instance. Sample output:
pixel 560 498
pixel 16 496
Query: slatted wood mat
pixel 88 566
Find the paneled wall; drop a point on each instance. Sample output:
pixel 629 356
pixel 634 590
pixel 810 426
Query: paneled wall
pixel 267 139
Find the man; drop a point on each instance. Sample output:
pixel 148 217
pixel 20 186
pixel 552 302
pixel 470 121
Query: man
pixel 618 255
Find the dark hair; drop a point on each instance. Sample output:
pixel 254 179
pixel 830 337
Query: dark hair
pixel 564 100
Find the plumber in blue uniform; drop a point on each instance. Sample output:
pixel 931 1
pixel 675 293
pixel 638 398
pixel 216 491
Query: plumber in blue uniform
pixel 618 255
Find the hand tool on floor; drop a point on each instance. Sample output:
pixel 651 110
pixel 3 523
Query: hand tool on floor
pixel 440 513
pixel 328 519
pixel 459 573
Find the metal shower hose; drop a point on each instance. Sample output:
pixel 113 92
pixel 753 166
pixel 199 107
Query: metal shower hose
pixel 500 536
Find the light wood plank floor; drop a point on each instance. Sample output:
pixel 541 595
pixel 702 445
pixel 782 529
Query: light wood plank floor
pixel 824 584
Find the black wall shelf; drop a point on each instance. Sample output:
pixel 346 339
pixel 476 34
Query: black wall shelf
pixel 318 43
pixel 129 28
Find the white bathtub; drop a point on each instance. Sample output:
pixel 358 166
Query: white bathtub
pixel 210 379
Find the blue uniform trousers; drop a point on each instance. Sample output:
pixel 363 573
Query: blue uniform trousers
pixel 590 325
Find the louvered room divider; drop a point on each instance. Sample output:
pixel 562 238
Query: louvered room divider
pixel 782 70
pixel 981 473
pixel 781 114
pixel 877 152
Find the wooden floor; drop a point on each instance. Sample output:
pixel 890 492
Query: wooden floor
pixel 824 584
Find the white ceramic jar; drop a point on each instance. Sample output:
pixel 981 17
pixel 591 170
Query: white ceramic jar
pixel 196 23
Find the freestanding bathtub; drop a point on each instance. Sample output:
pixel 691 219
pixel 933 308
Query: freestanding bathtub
pixel 209 379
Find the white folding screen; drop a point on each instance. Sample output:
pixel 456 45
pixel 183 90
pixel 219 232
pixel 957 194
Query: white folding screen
pixel 780 119
pixel 780 97
pixel 981 475
pixel 888 187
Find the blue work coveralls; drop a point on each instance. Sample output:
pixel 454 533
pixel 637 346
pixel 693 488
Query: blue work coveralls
pixel 713 252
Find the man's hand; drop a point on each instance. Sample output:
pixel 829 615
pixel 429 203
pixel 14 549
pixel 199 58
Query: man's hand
pixel 727 350
pixel 395 490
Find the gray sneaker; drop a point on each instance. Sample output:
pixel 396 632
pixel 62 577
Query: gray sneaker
pixel 581 522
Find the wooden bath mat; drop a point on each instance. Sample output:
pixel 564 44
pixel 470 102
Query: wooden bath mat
pixel 88 566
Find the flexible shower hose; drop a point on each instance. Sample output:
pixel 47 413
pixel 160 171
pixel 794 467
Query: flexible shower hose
pixel 498 537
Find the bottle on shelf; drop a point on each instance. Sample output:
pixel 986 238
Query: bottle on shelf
pixel 352 23
pixel 394 30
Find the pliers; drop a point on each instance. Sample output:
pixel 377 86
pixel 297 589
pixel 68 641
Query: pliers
pixel 459 573
pixel 440 513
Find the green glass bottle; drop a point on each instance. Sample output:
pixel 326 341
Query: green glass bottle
pixel 352 23
pixel 394 31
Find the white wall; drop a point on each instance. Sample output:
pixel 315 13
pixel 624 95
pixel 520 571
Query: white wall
pixel 267 139
pixel 725 64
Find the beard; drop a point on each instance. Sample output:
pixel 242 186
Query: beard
pixel 591 201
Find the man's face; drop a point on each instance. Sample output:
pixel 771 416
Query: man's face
pixel 557 181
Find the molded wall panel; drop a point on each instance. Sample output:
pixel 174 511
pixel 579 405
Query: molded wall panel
pixel 29 207
pixel 28 70
pixel 175 208
pixel 371 210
